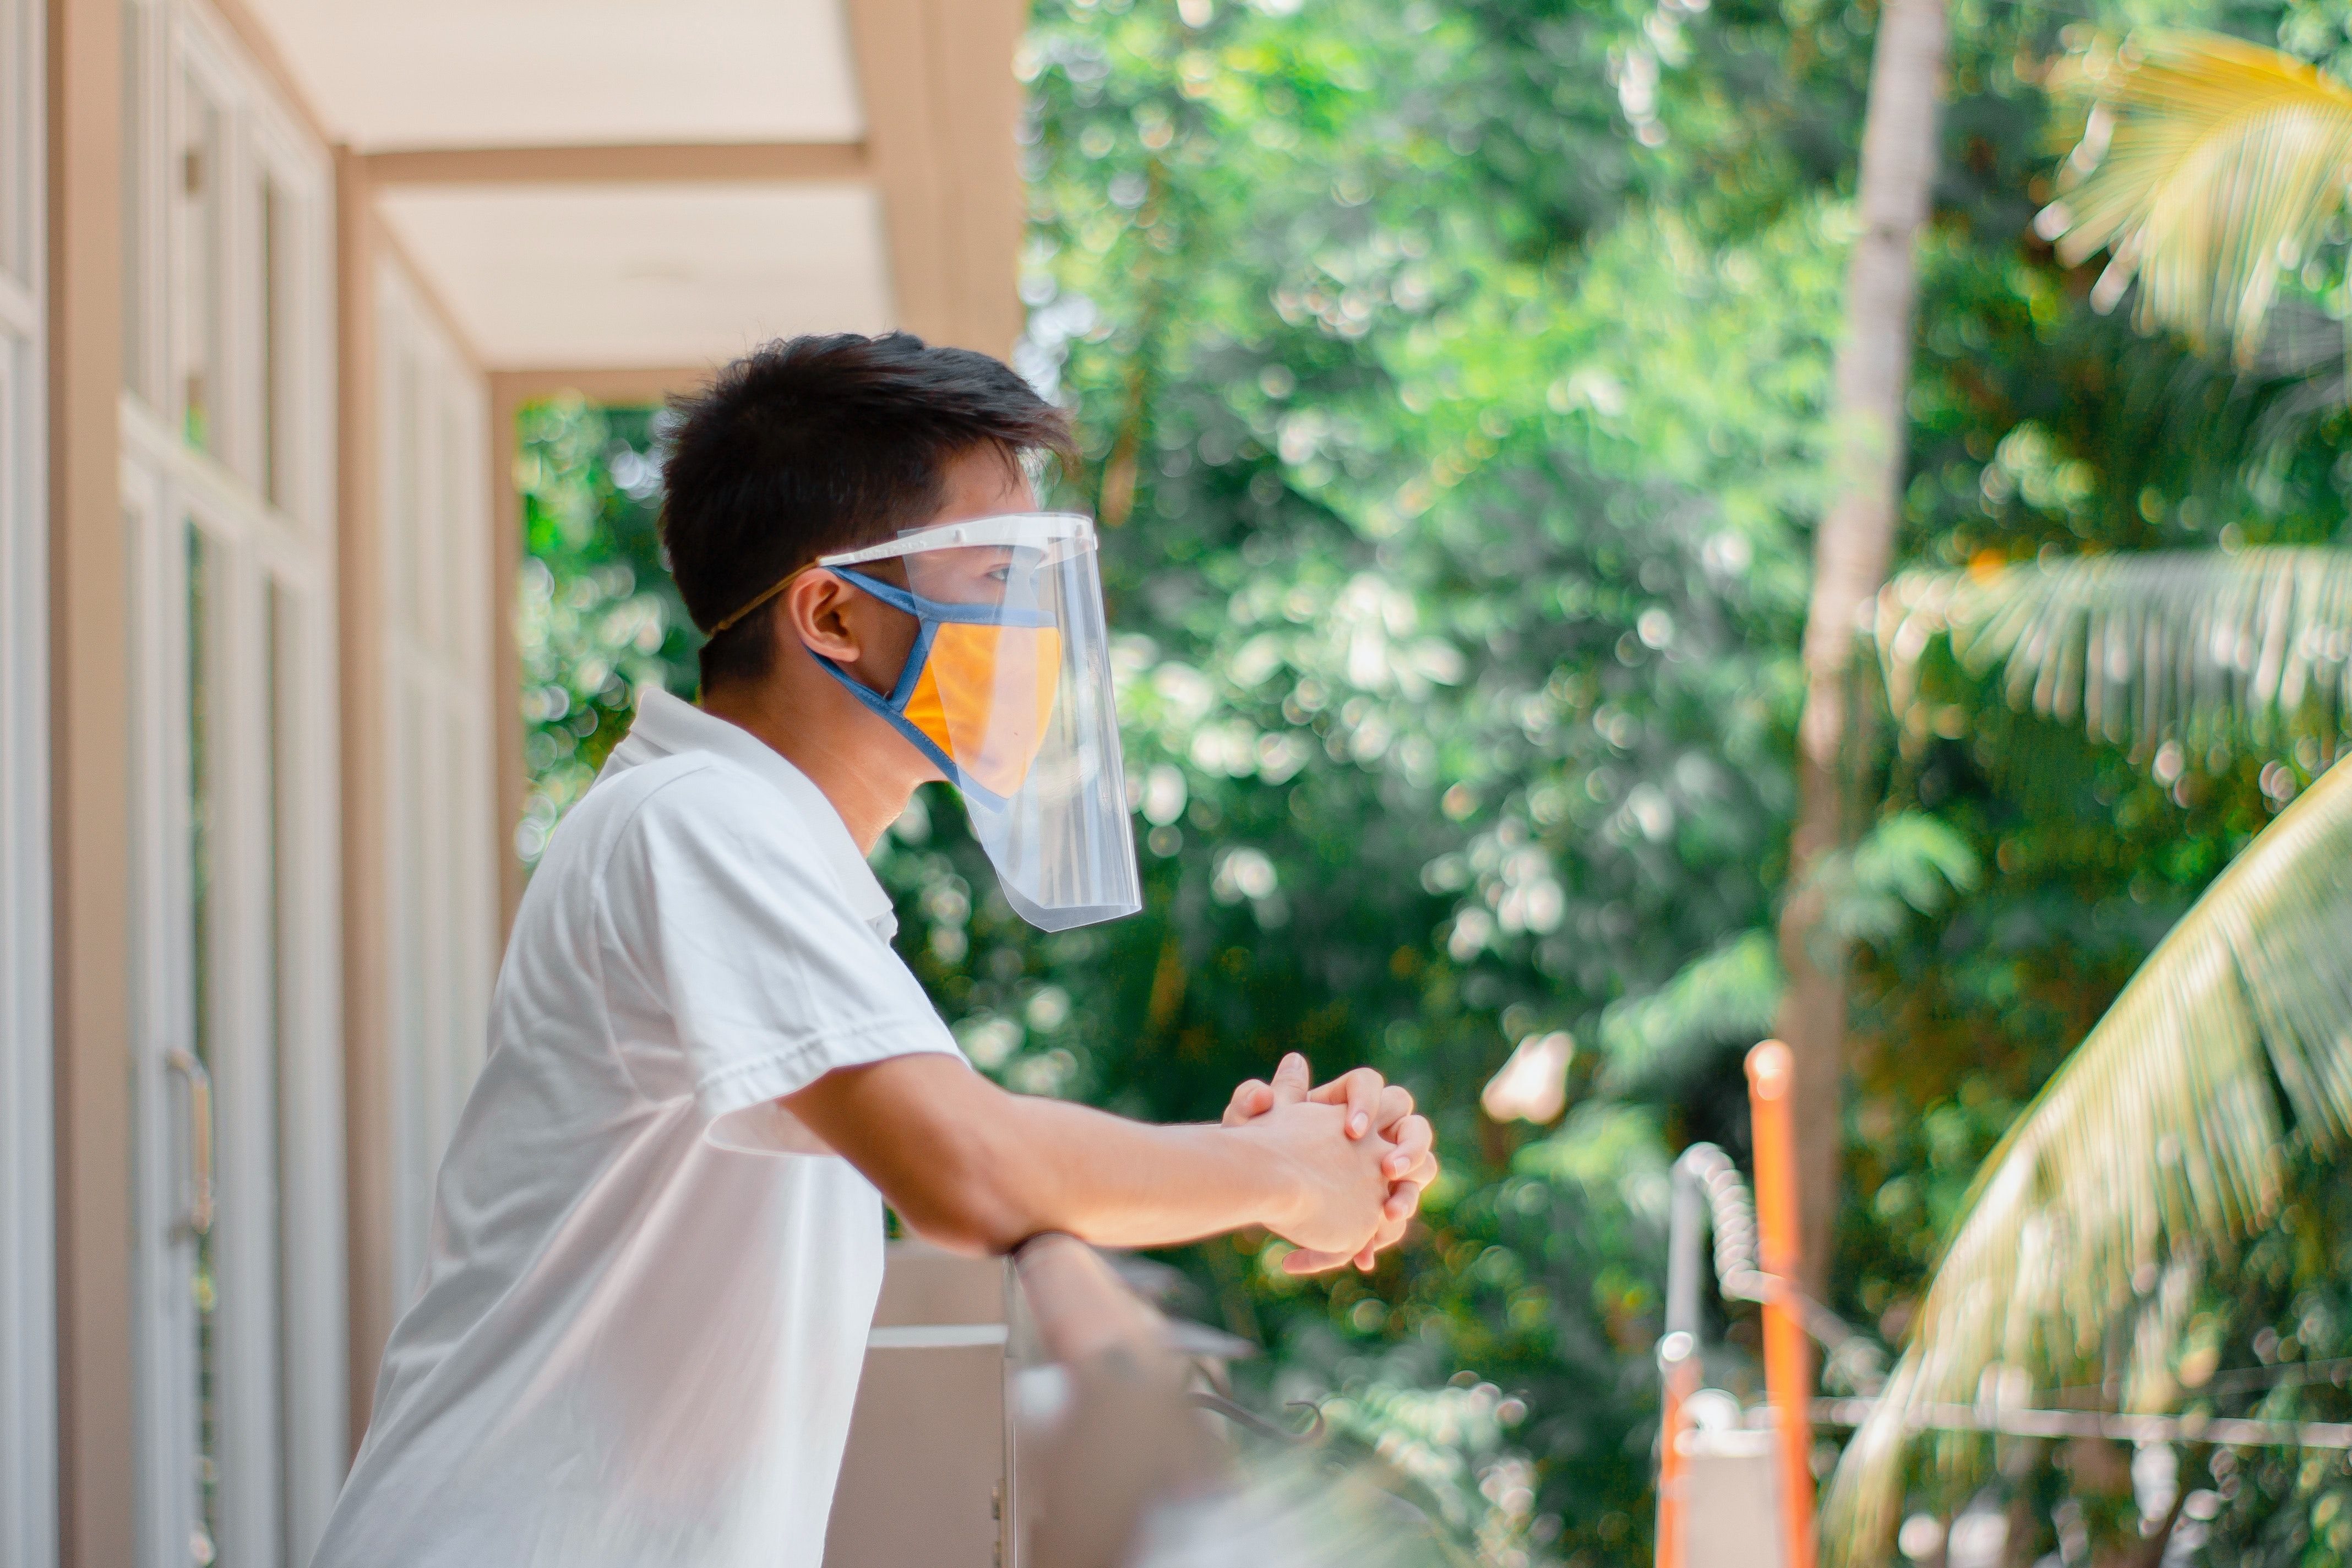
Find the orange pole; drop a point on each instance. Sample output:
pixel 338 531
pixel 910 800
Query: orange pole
pixel 1788 1357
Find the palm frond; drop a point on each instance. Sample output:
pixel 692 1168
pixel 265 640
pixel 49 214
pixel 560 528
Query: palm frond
pixel 2201 648
pixel 2159 1144
pixel 2208 165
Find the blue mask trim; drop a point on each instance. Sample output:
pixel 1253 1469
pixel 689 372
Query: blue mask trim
pixel 971 788
pixel 917 656
pixel 929 616
pixel 934 612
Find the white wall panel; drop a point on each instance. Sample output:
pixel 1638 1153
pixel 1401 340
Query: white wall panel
pixel 441 864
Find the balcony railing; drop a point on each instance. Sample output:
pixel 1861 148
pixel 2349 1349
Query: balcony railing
pixel 1020 1416
pixel 1043 1414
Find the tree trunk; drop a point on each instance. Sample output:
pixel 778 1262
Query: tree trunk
pixel 1850 557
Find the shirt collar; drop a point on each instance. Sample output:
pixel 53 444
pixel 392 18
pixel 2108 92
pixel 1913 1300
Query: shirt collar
pixel 667 726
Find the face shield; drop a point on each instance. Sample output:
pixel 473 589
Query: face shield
pixel 1008 690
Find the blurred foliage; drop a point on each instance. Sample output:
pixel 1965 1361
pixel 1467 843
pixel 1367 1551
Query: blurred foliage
pixel 598 616
pixel 1452 378
pixel 2145 1161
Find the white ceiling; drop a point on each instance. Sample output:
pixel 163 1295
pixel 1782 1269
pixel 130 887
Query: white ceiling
pixel 567 277
pixel 387 74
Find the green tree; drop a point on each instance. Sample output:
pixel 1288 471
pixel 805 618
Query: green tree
pixel 1852 547
pixel 2160 1145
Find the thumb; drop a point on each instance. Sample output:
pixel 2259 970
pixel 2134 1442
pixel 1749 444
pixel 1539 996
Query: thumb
pixel 1290 1079
pixel 1303 1260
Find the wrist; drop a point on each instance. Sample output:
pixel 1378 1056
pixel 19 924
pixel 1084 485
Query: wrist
pixel 1282 1195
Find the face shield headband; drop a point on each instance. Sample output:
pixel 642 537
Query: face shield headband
pixel 1007 691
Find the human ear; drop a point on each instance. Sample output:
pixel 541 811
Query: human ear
pixel 815 612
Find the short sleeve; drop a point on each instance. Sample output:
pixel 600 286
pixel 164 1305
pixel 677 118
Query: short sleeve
pixel 739 931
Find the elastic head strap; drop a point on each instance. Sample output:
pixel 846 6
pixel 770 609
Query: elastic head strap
pixel 760 598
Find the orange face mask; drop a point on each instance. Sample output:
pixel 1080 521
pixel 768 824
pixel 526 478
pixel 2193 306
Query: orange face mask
pixel 984 696
pixel 978 690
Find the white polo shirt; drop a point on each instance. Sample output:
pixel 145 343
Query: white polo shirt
pixel 649 1288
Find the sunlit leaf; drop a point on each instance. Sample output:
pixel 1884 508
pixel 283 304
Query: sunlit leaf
pixel 1726 995
pixel 1910 863
pixel 2201 648
pixel 2210 166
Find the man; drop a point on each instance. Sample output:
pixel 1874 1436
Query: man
pixel 657 1233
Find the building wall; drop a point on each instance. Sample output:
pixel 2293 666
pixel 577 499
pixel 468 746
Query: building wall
pixel 227 459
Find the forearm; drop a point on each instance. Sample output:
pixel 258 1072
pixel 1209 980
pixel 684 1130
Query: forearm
pixel 972 1167
pixel 1117 1183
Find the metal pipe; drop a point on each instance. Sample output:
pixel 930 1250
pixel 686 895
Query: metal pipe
pixel 1684 1259
pixel 1678 1349
pixel 1708 1194
pixel 2024 1421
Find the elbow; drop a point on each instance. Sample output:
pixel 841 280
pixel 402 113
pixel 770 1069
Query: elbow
pixel 971 1235
pixel 969 1200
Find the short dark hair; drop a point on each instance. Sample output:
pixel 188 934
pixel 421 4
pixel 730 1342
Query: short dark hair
pixel 815 445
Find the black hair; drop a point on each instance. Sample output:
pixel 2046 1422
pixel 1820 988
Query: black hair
pixel 814 445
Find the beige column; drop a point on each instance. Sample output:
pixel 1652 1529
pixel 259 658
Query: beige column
pixel 369 1156
pixel 90 784
pixel 941 107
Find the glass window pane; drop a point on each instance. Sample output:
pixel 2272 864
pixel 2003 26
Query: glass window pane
pixel 281 630
pixel 203 800
pixel 283 216
pixel 201 297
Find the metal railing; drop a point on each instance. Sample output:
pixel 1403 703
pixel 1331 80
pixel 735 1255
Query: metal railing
pixel 1109 1433
pixel 1726 1516
pixel 1048 1416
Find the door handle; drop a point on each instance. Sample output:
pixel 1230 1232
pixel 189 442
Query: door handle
pixel 199 1221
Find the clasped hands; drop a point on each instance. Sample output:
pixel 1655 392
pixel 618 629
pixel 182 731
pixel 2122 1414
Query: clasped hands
pixel 1374 1109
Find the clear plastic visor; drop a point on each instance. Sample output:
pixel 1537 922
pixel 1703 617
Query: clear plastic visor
pixel 1024 530
pixel 1009 687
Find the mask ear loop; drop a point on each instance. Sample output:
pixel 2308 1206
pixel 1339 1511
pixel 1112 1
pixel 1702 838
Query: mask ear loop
pixel 929 615
pixel 759 599
pixel 927 628
pixel 880 706
pixel 892 706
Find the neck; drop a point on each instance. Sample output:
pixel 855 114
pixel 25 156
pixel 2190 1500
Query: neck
pixel 869 798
